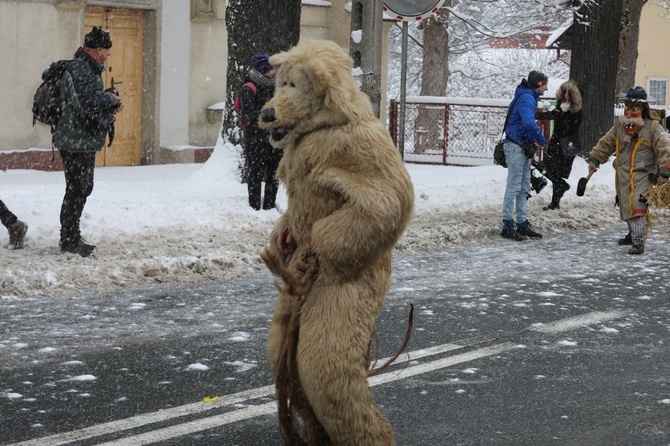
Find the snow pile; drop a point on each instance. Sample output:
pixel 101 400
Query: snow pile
pixel 190 223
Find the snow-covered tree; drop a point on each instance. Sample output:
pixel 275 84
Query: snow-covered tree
pixel 628 42
pixel 270 26
pixel 594 65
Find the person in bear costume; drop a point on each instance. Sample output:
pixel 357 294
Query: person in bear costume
pixel 349 200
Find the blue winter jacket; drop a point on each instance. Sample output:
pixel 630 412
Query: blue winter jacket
pixel 522 126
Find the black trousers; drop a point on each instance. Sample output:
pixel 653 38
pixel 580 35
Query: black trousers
pixel 262 162
pixel 78 168
pixel 6 216
pixel 558 167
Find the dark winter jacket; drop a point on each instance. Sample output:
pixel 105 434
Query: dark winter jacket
pixel 522 127
pixel 87 111
pixel 566 123
pixel 252 105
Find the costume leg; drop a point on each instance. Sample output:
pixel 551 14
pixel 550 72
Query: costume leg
pixel 280 318
pixel 638 229
pixel 79 173
pixel 335 331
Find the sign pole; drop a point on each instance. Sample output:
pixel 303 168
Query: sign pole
pixel 406 11
pixel 403 91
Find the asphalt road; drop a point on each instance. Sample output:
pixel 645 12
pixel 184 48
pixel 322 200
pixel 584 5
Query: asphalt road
pixel 563 341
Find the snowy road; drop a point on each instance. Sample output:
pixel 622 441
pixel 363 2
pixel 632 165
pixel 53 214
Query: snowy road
pixel 560 341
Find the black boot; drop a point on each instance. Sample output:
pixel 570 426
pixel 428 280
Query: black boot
pixel 509 231
pixel 526 229
pixel 627 240
pixel 81 248
pixel 636 249
pixel 17 233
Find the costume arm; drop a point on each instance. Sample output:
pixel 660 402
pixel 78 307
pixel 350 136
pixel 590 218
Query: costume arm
pixel 662 148
pixel 280 227
pixel 605 147
pixel 372 217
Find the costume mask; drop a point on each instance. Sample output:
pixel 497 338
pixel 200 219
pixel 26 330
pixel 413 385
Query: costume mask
pixel 632 120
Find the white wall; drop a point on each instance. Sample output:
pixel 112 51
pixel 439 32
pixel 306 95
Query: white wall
pixel 174 82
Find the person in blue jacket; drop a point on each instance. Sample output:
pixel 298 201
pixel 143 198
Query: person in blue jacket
pixel 523 135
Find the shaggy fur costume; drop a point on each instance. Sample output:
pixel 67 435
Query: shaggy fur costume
pixel 349 200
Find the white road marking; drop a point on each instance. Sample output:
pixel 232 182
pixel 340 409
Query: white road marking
pixel 194 408
pixel 578 321
pixel 267 391
pixel 269 408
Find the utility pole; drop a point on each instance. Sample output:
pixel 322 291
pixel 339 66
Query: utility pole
pixel 365 46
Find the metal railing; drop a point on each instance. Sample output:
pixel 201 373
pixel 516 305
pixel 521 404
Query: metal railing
pixel 454 131
pixel 461 131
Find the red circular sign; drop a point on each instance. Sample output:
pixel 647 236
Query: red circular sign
pixel 411 10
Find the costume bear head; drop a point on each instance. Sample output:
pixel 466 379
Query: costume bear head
pixel 315 89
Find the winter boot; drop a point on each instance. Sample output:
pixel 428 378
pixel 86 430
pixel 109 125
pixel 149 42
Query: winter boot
pixel 526 229
pixel 81 248
pixel 627 240
pixel 565 186
pixel 636 249
pixel 508 231
pixel 17 232
pixel 552 206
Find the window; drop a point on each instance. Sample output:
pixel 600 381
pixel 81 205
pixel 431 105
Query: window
pixel 203 10
pixel 658 89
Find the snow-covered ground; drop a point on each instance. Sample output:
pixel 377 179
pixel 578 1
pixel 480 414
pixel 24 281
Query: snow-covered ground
pixel 190 223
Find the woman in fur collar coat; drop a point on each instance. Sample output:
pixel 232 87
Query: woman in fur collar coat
pixel 567 118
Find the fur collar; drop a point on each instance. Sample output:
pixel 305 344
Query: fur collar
pixel 575 95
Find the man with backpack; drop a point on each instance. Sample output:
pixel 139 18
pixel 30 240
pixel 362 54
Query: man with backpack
pixel 261 159
pixel 87 117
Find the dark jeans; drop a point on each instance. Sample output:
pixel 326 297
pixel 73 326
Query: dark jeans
pixel 262 161
pixel 6 216
pixel 78 168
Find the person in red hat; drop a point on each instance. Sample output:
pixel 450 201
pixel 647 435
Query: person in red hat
pixel 641 147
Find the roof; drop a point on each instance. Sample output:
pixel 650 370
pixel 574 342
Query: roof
pixel 561 38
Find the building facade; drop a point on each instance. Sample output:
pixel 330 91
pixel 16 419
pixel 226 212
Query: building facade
pixel 168 62
pixel 653 65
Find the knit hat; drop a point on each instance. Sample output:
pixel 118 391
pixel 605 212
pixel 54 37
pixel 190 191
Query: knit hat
pixel 261 62
pixel 537 79
pixel 98 38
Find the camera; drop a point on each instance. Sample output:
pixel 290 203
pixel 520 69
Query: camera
pixel 537 183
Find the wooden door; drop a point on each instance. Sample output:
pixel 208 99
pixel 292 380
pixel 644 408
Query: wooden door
pixel 124 66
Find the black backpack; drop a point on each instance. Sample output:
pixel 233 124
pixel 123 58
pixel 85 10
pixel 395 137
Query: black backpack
pixel 47 102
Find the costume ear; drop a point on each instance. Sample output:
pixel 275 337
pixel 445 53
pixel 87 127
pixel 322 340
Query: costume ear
pixel 320 76
pixel 278 59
